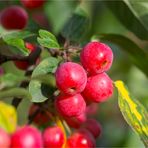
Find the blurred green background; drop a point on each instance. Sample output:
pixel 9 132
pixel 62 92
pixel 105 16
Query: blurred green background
pixel 55 14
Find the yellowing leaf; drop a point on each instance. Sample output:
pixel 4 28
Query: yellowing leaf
pixel 8 117
pixel 133 111
pixel 60 124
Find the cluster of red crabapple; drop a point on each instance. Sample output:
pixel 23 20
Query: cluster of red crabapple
pixel 79 87
pixel 76 90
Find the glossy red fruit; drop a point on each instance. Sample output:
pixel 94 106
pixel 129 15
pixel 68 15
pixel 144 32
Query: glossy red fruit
pixel 75 122
pixel 14 17
pixel 32 3
pixel 30 46
pixel 93 126
pixel 96 57
pixel 53 137
pixel 81 139
pixel 23 65
pixel 91 109
pixel 98 88
pixel 41 118
pixel 26 137
pixel 70 106
pixel 71 78
pixel 4 139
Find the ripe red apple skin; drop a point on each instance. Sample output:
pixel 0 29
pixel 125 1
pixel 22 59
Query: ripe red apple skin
pixel 23 65
pixel 14 17
pixel 96 57
pixel 81 139
pixel 30 46
pixel 93 127
pixel 98 88
pixel 26 137
pixel 70 106
pixel 53 137
pixel 92 109
pixel 75 122
pixel 4 139
pixel 71 78
pixel 30 4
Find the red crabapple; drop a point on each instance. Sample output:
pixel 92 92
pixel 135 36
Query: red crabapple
pixel 23 65
pixel 91 109
pixel 26 137
pixel 32 3
pixel 98 88
pixel 93 127
pixel 81 139
pixel 70 106
pixel 14 17
pixel 71 78
pixel 75 122
pixel 96 57
pixel 53 137
pixel 4 139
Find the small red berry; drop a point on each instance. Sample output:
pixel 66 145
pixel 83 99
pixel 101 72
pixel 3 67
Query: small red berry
pixel 98 88
pixel 4 139
pixel 30 46
pixel 23 65
pixel 91 109
pixel 96 57
pixel 71 78
pixel 26 137
pixel 53 137
pixel 14 17
pixel 81 139
pixel 32 3
pixel 70 106
pixel 75 122
pixel 93 127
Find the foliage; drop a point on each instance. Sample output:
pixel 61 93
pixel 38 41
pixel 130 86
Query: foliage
pixel 71 24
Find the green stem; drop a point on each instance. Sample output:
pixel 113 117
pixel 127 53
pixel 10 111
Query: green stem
pixel 15 92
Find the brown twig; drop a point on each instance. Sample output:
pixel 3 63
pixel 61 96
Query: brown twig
pixel 32 116
pixel 5 58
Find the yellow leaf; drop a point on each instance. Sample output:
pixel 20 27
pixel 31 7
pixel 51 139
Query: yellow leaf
pixel 133 112
pixel 8 117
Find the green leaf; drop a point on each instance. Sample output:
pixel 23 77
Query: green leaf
pixel 10 79
pixel 8 117
pixel 47 34
pixel 133 112
pixel 15 38
pixel 77 26
pixel 15 92
pixel 16 34
pixel 38 90
pixel 32 26
pixel 62 10
pixel 135 53
pixel 132 14
pixel 47 39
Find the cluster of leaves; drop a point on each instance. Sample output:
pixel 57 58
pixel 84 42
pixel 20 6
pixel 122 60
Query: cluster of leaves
pixel 78 29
